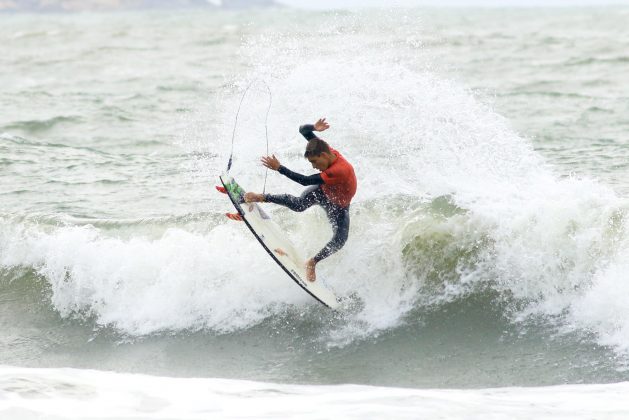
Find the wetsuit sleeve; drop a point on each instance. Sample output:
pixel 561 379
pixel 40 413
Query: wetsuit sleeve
pixel 299 178
pixel 306 130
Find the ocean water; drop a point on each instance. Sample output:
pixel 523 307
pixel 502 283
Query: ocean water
pixel 488 248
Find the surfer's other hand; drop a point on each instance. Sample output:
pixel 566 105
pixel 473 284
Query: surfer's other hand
pixel 253 198
pixel 270 162
pixel 321 125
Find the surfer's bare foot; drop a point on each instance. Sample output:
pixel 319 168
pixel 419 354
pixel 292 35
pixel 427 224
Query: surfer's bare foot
pixel 310 270
pixel 254 198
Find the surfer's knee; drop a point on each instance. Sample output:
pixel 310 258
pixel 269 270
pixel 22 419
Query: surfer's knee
pixel 339 239
pixel 341 228
pixel 301 206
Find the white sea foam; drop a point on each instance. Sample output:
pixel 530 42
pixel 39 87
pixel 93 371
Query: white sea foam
pixel 555 242
pixel 87 394
pixel 179 281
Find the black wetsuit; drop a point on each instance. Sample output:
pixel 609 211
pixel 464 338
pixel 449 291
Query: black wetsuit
pixel 337 215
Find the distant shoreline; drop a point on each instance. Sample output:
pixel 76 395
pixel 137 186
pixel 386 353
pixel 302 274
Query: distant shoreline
pixel 77 6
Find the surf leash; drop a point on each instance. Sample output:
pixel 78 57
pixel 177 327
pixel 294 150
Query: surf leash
pixel 266 128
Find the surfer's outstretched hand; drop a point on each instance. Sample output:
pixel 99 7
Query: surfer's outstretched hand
pixel 321 125
pixel 270 162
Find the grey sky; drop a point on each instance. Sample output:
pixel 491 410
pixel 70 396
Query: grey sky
pixel 328 4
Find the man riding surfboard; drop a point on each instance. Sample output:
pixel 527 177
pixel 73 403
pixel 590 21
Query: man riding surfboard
pixel 333 189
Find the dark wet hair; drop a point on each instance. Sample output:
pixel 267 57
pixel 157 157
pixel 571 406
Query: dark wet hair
pixel 315 147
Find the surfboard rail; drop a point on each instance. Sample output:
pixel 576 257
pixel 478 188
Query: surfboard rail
pixel 275 243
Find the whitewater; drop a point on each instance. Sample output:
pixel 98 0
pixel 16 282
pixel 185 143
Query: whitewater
pixel 488 248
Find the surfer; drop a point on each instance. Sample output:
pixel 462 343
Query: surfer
pixel 333 189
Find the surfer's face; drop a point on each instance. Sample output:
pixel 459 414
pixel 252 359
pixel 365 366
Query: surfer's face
pixel 321 162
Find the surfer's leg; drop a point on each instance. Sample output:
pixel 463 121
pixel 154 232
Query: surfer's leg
pixel 339 218
pixel 308 198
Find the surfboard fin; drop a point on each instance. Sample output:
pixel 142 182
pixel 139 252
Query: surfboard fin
pixel 221 189
pixel 234 216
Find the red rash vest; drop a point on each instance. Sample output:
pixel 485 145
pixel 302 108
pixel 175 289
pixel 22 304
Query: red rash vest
pixel 339 181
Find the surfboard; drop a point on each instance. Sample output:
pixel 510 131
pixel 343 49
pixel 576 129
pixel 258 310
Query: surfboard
pixel 276 243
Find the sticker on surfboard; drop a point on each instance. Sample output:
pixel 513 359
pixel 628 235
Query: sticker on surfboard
pixel 275 242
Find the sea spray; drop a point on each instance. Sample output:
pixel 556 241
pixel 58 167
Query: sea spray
pixel 456 213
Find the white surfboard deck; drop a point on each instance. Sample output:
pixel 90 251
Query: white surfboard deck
pixel 276 244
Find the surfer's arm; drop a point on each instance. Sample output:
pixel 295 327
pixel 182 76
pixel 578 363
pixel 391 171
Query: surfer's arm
pixel 299 178
pixel 307 130
pixel 271 162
